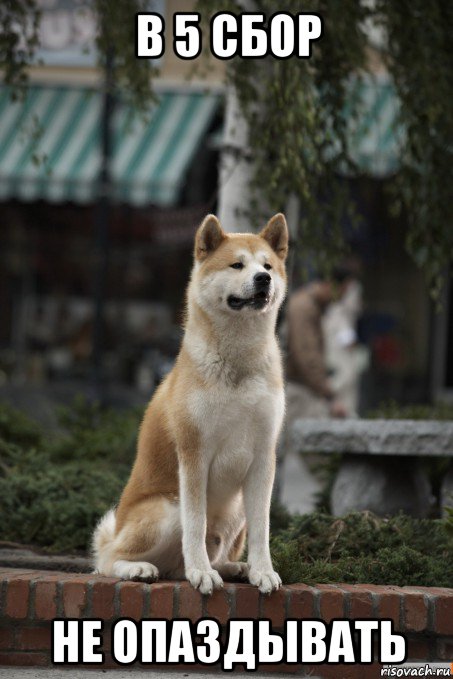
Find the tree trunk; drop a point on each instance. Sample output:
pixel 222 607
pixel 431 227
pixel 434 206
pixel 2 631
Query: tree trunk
pixel 236 168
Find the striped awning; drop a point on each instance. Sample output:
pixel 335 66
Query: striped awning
pixel 50 145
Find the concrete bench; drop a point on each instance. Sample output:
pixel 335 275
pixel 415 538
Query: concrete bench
pixel 380 469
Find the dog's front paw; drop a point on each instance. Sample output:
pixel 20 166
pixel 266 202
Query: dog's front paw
pixel 135 570
pixel 238 570
pixel 267 580
pixel 204 580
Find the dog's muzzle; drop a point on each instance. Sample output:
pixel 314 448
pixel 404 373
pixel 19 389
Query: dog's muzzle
pixel 260 298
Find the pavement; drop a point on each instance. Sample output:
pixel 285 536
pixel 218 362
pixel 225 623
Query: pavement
pixel 76 673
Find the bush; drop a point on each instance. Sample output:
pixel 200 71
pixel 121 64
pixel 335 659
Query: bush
pixel 54 489
pixel 391 410
pixel 361 547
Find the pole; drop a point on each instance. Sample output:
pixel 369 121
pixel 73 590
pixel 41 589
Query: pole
pixel 102 218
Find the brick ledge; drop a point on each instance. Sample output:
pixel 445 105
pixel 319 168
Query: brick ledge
pixel 30 599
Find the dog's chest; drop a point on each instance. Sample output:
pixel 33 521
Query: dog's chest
pixel 233 424
pixel 224 413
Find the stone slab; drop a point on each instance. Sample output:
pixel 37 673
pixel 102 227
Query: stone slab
pixel 374 437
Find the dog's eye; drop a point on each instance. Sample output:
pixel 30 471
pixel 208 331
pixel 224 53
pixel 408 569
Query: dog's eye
pixel 237 265
pixel 268 267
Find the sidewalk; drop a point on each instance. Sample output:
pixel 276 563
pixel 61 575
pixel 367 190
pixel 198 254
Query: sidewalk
pixel 76 673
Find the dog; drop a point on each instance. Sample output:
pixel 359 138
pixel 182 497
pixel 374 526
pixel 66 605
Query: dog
pixel 205 463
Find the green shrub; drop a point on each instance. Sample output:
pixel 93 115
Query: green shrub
pixel 16 427
pixel 53 490
pixel 392 410
pixel 54 506
pixel 90 432
pixel 361 547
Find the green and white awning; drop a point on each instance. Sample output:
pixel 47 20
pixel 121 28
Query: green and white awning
pixel 50 145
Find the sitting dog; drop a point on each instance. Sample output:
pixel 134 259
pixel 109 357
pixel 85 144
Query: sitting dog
pixel 206 451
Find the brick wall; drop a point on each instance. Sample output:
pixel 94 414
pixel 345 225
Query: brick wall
pixel 29 600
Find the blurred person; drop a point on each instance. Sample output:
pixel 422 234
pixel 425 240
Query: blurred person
pixel 309 391
pixel 346 359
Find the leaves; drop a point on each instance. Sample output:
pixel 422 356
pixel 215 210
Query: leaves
pixel 360 547
pixel 18 18
pixel 54 488
pixel 296 110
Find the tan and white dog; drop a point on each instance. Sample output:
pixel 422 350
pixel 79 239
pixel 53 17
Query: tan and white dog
pixel 206 452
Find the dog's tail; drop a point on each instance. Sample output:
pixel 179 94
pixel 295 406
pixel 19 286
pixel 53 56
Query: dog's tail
pixel 102 542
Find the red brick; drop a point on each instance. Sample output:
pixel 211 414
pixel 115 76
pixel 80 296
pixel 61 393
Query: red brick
pixel 189 602
pixel 389 607
pixel 131 600
pixel 342 671
pixel 217 605
pixel 418 649
pixel 7 572
pixel 278 667
pixel 445 649
pixel 360 601
pixel 104 598
pixel 435 591
pixel 161 605
pixel 247 601
pixel 74 599
pixel 6 637
pixel 45 600
pixel 53 576
pixel 273 607
pixel 17 596
pixel 301 603
pixel 334 671
pixel 415 612
pixel 107 638
pixel 33 639
pixel 331 602
pixel 444 615
pixel 24 659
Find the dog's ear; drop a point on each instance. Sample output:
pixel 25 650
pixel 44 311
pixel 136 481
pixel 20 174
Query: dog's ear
pixel 208 238
pixel 276 234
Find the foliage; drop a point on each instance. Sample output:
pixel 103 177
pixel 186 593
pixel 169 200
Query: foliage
pixel 296 111
pixel 361 547
pixel 392 410
pixel 296 114
pixel 115 38
pixel 17 18
pixel 420 60
pixel 449 521
pixel 54 488
pixel 97 434
pixel 17 428
pixel 116 35
pixel 55 506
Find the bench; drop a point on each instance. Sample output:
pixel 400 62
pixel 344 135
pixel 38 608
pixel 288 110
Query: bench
pixel 381 468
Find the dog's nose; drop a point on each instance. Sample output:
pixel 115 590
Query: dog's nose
pixel 262 279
